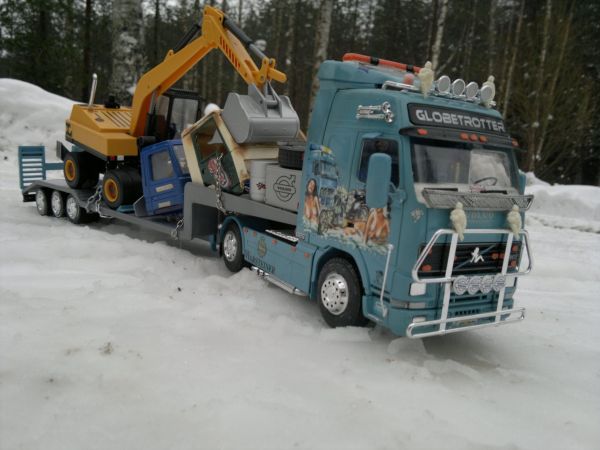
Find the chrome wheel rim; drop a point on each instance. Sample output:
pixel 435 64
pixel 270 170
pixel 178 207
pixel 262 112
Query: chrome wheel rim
pixel 334 294
pixel 230 246
pixel 56 203
pixel 40 201
pixel 72 208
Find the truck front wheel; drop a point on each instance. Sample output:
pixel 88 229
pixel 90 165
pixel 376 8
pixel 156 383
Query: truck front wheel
pixel 339 294
pixel 233 256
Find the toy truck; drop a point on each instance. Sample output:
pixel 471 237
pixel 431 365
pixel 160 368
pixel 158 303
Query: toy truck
pixel 404 209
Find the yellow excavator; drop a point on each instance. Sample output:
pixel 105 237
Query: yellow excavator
pixel 108 138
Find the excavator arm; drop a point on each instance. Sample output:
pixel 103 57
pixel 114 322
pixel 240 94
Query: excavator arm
pixel 216 31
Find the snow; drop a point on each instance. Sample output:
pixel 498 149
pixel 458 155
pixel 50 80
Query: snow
pixel 113 338
pixel 564 206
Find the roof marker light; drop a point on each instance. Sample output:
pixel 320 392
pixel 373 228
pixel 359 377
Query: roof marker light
pixel 458 87
pixel 486 94
pixel 471 90
pixel 442 84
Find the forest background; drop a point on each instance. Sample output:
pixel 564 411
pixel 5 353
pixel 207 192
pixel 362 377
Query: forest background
pixel 544 54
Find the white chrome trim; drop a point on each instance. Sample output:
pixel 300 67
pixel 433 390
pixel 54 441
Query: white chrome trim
pixel 445 231
pixel 277 282
pixel 449 278
pixel 497 322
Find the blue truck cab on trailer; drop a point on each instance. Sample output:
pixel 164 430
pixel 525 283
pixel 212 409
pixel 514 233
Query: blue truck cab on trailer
pixel 164 176
pixel 385 168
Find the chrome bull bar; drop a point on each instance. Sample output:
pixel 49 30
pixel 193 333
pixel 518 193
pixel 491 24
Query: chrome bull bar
pixel 448 279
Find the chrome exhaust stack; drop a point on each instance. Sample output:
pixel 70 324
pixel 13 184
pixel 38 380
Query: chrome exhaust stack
pixel 93 91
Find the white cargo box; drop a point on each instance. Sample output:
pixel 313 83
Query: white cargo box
pixel 283 187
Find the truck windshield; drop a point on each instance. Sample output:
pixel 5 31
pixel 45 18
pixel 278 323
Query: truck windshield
pixel 462 164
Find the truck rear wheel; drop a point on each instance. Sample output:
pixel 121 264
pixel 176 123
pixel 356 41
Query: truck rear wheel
pixel 233 254
pixel 57 204
pixel 339 294
pixel 118 188
pixel 42 202
pixel 80 170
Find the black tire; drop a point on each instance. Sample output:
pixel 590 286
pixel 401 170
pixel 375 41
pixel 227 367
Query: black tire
pixel 57 204
pixel 42 202
pixel 119 189
pixel 340 294
pixel 81 170
pixel 291 156
pixel 134 190
pixel 231 247
pixel 76 214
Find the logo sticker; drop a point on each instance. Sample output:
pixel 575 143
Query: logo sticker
pixel 476 257
pixel 285 187
pixel 262 247
pixel 213 169
pixel 417 214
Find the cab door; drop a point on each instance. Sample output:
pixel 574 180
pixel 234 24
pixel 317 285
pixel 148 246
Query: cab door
pixel 165 174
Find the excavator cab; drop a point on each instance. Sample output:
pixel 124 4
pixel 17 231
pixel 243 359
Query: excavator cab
pixel 172 112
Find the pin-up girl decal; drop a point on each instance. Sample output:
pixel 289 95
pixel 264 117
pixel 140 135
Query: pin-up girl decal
pixel 377 228
pixel 312 206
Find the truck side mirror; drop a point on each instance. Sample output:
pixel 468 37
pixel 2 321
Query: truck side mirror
pixel 378 180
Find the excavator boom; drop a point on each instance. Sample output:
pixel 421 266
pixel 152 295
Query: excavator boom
pixel 109 132
pixel 217 31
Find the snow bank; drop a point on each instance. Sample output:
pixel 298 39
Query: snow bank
pixel 30 115
pixel 564 206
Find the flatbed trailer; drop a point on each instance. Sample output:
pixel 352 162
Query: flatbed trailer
pixel 200 213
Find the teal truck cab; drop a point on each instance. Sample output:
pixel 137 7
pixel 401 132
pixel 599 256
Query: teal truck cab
pixel 403 206
pixel 404 217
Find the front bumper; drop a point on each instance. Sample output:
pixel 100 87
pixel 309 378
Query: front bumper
pixel 445 324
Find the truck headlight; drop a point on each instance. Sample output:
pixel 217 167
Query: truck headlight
pixel 486 284
pixel 417 289
pixel 460 285
pixel 499 282
pixel 474 285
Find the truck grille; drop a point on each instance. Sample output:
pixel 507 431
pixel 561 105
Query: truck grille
pixel 471 258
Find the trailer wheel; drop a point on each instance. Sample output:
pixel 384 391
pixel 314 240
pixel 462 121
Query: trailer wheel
pixel 42 202
pixel 339 294
pixel 233 254
pixel 80 170
pixel 77 214
pixel 57 204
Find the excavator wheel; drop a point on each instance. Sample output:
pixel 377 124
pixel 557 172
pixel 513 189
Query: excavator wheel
pixel 135 188
pixel 120 187
pixel 80 170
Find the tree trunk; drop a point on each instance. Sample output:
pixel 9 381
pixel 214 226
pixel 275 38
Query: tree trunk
pixel 128 35
pixel 321 42
pixel 513 61
pixel 289 47
pixel 492 38
pixel 87 49
pixel 237 79
pixel 439 34
pixel 532 154
pixel 552 89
